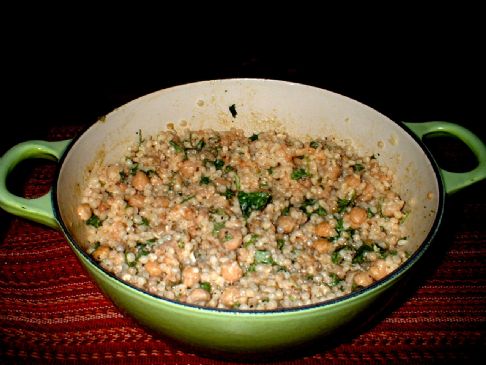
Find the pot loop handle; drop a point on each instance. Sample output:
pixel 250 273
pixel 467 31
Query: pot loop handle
pixel 38 209
pixel 455 181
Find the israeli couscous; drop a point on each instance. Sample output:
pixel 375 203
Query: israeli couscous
pixel 220 219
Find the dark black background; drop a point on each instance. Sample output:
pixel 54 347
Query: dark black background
pixel 51 79
pixel 69 75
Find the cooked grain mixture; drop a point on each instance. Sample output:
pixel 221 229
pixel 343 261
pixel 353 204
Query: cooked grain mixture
pixel 220 219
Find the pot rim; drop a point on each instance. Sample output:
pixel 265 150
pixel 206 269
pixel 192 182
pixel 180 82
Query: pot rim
pixel 412 260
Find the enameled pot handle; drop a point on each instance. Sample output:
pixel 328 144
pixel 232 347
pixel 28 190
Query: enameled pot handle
pixel 38 209
pixel 455 181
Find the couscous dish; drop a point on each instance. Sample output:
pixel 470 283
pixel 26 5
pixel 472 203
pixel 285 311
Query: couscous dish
pixel 226 220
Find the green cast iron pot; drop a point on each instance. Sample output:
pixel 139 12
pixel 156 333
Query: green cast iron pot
pixel 260 105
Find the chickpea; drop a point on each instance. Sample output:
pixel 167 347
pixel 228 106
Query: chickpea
pixel 356 217
pixel 333 172
pixel 378 269
pixel 231 271
pixel 384 177
pixel 161 201
pixel 220 181
pixel 363 279
pixel 136 201
pixel 188 168
pixel 393 207
pixel 230 296
pixel 140 180
pixel 367 194
pixel 322 245
pixel 190 276
pixel 113 173
pixel 189 213
pixel 103 207
pixel 231 238
pixel 153 268
pixel 306 183
pixel 244 256
pixel 116 230
pixel 324 229
pixel 285 224
pixel 352 181
pixel 198 296
pixel 84 211
pixel 101 253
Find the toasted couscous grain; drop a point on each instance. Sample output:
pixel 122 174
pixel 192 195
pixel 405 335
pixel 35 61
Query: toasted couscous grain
pixel 220 219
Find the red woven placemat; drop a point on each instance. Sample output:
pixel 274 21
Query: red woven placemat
pixel 51 312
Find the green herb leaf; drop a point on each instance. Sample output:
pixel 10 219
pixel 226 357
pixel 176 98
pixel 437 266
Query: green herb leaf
pixel 232 110
pixel 370 213
pixel 228 236
pixel 204 180
pixel 237 182
pixel 359 257
pixel 123 177
pixel 205 286
pixel 177 147
pixel 217 226
pixel 131 263
pixel 299 174
pixel 321 212
pixel 229 194
pixel 280 243
pixel 404 217
pixel 253 201
pixel 218 164
pixel 145 222
pixel 314 144
pixel 251 241
pixel 285 211
pixel 141 251
pixel 251 268
pixel 380 250
pixel 133 169
pixel 150 172
pixel 218 211
pixel 306 203
pixel 263 257
pixel 200 145
pixel 94 221
pixel 358 167
pixel 140 139
pixel 187 198
pixel 336 258
pixel 339 226
pixel 229 168
pixel 335 280
pixel 344 203
pixel 253 137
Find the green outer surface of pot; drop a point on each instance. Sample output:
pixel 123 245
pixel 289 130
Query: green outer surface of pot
pixel 231 331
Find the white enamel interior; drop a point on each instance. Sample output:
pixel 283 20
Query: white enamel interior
pixel 261 105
